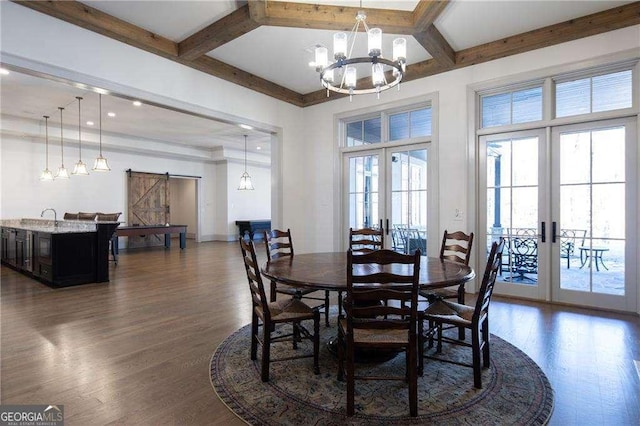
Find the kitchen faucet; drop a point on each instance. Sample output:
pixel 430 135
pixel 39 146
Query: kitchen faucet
pixel 55 216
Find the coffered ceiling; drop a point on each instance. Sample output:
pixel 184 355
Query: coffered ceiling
pixel 266 45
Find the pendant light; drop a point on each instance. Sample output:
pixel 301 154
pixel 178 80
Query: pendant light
pixel 101 164
pixel 80 168
pixel 245 179
pixel 46 173
pixel 62 171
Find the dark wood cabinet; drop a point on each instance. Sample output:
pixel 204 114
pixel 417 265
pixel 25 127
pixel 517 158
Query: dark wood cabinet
pixel 65 259
pixel 9 246
pixel 58 259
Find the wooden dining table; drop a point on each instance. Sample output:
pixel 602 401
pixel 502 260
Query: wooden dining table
pixel 328 271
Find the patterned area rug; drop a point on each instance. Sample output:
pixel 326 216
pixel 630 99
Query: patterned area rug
pixel 515 390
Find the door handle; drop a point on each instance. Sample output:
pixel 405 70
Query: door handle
pixel 543 230
pixel 554 231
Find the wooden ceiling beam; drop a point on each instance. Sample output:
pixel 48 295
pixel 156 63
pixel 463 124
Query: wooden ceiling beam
pixel 597 23
pixel 325 17
pixel 93 19
pixel 425 32
pixel 232 26
pixel 334 18
pixel 242 78
pixel 426 13
pixel 436 45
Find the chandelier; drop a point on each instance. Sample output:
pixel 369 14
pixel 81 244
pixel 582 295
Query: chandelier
pixel 341 76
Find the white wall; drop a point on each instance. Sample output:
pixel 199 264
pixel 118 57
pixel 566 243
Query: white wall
pixel 308 136
pixel 247 205
pixel 52 46
pixel 310 178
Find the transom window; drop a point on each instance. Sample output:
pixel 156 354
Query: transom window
pixel 597 93
pixel 518 106
pixel 390 127
pixel 586 92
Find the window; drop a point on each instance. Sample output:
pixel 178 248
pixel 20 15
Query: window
pixel 410 124
pixel 364 132
pixel 598 93
pixel 521 106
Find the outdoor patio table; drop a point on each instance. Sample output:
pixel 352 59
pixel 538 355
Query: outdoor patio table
pixel 597 255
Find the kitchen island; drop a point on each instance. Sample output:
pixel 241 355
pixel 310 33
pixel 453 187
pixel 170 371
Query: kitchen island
pixel 58 253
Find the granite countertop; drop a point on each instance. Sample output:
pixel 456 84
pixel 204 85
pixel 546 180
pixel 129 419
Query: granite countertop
pixel 47 225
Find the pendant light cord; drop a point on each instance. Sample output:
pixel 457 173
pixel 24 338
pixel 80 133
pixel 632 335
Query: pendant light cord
pixel 79 129
pixel 46 140
pixel 100 94
pixel 245 153
pixel 61 139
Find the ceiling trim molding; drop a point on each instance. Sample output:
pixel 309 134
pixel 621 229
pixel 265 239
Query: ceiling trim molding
pixel 419 23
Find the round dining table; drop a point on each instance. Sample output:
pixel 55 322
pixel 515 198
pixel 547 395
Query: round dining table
pixel 328 271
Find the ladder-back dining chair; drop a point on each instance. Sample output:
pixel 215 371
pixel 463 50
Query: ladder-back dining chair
pixel 387 276
pixel 475 318
pixel 366 240
pixel 280 244
pixel 455 247
pixel 269 315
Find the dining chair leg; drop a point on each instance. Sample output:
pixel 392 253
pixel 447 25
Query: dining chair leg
pixel 272 292
pixel 420 347
pixel 413 380
pixel 485 343
pixel 326 308
pixel 266 352
pixel 254 337
pixel 339 304
pixel 439 344
pixel 350 383
pixel 461 330
pixel 316 342
pixel 475 347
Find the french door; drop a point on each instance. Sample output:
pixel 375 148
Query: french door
pixel 513 207
pixel 388 188
pixel 594 180
pixel 567 208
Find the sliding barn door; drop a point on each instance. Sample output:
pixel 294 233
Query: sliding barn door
pixel 148 204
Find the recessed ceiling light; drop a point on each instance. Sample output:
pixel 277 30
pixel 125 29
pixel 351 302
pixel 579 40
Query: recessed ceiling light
pixel 90 123
pixel 259 148
pixel 111 114
pixel 137 103
pixel 4 71
pixel 246 126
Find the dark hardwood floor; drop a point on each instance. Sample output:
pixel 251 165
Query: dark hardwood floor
pixel 137 350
